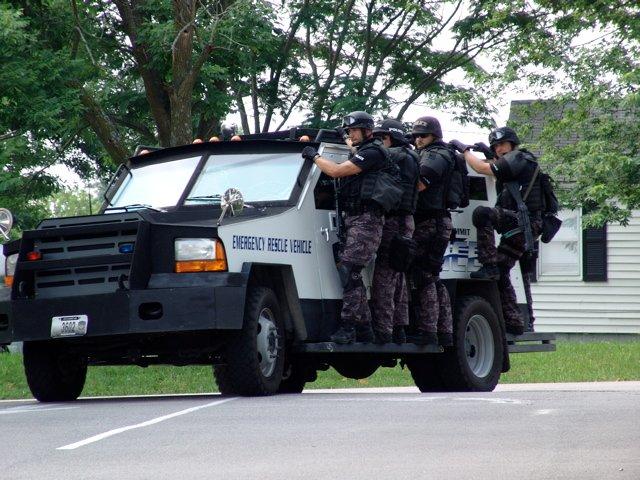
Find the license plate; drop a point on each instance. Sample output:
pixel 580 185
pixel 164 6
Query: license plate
pixel 69 326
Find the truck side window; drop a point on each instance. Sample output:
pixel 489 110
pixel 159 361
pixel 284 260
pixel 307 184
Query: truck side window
pixel 324 193
pixel 477 188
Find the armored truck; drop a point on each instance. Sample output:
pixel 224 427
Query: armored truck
pixel 222 254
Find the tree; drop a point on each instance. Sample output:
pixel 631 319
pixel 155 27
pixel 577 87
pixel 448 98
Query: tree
pixel 597 108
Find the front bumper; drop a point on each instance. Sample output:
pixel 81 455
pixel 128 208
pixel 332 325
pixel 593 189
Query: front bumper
pixel 188 302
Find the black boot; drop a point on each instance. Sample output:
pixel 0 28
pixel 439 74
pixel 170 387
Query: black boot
pixel 399 335
pixel 514 329
pixel 364 333
pixel 445 339
pixel 345 334
pixel 382 337
pixel 423 338
pixel 487 272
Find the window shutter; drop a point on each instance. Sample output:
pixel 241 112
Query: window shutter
pixel 594 254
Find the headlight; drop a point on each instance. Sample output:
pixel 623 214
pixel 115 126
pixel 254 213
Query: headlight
pixel 199 255
pixel 10 269
pixel 195 249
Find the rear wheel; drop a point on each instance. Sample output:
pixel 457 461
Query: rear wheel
pixel 255 357
pixel 475 362
pixel 425 371
pixel 53 374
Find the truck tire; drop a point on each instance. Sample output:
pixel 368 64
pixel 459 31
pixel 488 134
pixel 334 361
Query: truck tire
pixel 255 356
pixel 425 371
pixel 474 363
pixel 354 367
pixel 297 374
pixel 53 375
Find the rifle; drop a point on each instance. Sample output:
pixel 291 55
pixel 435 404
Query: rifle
pixel 341 230
pixel 524 222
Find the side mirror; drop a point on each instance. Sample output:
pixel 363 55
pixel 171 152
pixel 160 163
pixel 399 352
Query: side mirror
pixel 231 199
pixel 6 222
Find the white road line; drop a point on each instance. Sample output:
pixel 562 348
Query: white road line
pixel 153 421
pixel 544 411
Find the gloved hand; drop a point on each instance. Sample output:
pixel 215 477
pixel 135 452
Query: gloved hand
pixel 309 153
pixel 484 149
pixel 459 146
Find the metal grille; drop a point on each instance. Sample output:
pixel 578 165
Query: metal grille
pixel 87 279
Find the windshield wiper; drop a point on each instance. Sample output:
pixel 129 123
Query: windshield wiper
pixel 205 198
pixel 135 206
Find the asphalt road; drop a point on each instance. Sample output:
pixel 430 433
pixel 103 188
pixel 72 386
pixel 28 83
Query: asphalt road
pixel 579 431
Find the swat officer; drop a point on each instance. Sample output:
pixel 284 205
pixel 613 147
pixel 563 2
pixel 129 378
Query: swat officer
pixel 432 233
pixel 389 294
pixel 511 164
pixel 364 221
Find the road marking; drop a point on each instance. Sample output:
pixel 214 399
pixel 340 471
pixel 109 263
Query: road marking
pixel 153 421
pixel 544 411
pixel 32 408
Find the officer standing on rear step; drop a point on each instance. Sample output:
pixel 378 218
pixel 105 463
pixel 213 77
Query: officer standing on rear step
pixel 389 296
pixel 433 231
pixel 364 221
pixel 511 164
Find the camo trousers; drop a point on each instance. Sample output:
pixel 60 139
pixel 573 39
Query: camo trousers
pixel 434 306
pixel 389 296
pixel 505 256
pixel 364 233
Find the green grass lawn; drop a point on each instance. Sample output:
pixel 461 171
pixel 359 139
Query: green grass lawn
pixel 572 362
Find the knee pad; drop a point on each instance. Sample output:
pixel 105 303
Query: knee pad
pixel 483 217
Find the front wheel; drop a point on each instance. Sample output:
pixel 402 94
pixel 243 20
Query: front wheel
pixel 53 374
pixel 475 362
pixel 255 356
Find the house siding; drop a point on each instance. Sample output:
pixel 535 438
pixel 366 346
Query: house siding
pixel 596 307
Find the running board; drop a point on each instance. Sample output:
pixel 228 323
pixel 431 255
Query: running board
pixel 531 342
pixel 392 348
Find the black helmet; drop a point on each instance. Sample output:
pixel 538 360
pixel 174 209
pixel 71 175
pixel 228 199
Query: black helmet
pixel 394 128
pixel 503 134
pixel 358 120
pixel 426 125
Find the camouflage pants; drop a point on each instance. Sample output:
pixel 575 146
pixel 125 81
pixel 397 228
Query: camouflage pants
pixel 505 256
pixel 389 296
pixel 364 233
pixel 434 306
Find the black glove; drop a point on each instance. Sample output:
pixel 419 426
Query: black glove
pixel 309 153
pixel 459 146
pixel 482 148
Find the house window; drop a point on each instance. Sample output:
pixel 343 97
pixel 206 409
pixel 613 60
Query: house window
pixel 561 258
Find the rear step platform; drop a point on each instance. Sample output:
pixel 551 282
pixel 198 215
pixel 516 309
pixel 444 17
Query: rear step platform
pixel 330 347
pixel 531 342
pixel 525 343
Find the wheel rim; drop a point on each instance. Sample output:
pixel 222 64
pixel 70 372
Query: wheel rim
pixel 267 342
pixel 478 344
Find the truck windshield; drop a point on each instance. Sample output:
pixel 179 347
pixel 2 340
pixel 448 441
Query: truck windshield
pixel 157 185
pixel 262 177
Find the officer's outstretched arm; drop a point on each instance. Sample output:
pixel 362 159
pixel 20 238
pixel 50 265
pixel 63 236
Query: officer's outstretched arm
pixel 336 170
pixel 477 164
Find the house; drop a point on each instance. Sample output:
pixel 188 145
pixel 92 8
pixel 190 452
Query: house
pixel 587 279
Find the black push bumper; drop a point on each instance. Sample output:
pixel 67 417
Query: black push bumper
pixel 177 303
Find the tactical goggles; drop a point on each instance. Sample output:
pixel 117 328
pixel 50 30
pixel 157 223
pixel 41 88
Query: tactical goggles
pixel 420 135
pixel 497 135
pixel 349 120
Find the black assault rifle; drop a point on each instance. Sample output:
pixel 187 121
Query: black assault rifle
pixel 522 214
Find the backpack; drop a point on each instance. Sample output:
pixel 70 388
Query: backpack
pixel 550 222
pixel 459 184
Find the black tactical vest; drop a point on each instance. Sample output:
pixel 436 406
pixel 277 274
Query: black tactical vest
pixel 408 162
pixel 535 200
pixel 434 198
pixel 351 186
